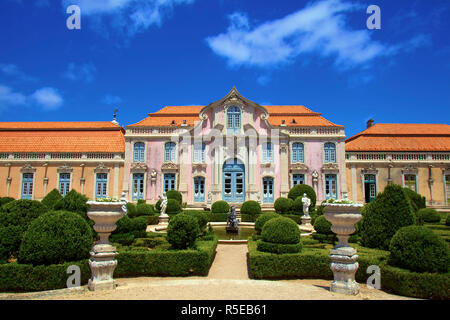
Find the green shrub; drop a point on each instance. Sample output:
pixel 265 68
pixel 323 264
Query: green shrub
pixel 202 219
pixel 390 211
pixel 15 217
pixel 175 195
pixel 5 200
pixel 125 239
pixel 294 217
pixel 447 221
pixel 251 207
pixel 417 201
pixel 428 215
pixel 136 226
pixel 249 217
pixel 322 225
pixel 217 217
pixel 298 191
pixel 262 219
pixel 220 207
pixel 131 210
pixel 143 209
pixel 173 206
pixel 141 201
pixel 149 242
pixel 282 205
pixel 417 248
pixel 297 206
pixel 158 206
pixel 182 231
pixel 279 248
pixel 281 230
pixel 56 237
pixel 74 202
pixel 152 220
pixel 51 199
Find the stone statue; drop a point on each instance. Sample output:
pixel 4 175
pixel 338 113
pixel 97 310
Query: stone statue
pixel 258 196
pixel 163 199
pixel 209 197
pixel 315 176
pixel 232 222
pixel 306 203
pixel 153 175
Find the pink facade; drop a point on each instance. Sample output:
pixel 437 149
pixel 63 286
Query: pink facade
pixel 236 150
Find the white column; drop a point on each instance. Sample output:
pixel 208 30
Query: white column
pixel 116 181
pixel 354 190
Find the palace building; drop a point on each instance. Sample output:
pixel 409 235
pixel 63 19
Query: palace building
pixel 416 156
pixel 36 157
pixel 234 149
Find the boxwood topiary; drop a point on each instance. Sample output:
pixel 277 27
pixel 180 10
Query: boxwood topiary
pixel 390 211
pixel 220 207
pixel 131 209
pixel 417 201
pixel 322 225
pixel 54 238
pixel 447 221
pixel 143 209
pixel 262 219
pixel 176 195
pixel 298 191
pixel 51 199
pixel 278 248
pixel 297 206
pixel 74 202
pixel 281 230
pixel 5 200
pixel 10 239
pixel 173 206
pixel 418 249
pixel 251 207
pixel 428 215
pixel 182 231
pixel 158 206
pixel 282 205
pixel 202 219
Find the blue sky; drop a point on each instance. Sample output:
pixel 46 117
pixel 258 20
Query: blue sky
pixel 141 55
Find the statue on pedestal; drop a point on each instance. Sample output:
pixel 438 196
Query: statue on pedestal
pixel 163 199
pixel 232 222
pixel 306 203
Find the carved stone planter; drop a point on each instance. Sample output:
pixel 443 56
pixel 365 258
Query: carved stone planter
pixel 343 257
pixel 102 262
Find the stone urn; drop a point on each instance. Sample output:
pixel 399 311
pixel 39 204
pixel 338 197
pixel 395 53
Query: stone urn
pixel 344 265
pixel 102 262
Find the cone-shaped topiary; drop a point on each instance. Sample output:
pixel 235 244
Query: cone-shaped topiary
pixel 262 219
pixel 390 211
pixel 298 191
pixel 418 249
pixel 51 199
pixel 54 238
pixel 182 231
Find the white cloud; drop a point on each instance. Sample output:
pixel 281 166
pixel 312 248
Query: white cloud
pixel 321 28
pixel 48 98
pixel 127 16
pixel 111 100
pixel 10 98
pixel 12 70
pixel 83 72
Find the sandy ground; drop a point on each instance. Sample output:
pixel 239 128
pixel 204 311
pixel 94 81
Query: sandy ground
pixel 227 280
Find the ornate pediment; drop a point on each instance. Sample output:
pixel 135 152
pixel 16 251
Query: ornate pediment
pixel 370 169
pixel 298 167
pixel 330 167
pixel 199 167
pixel 101 168
pixel 138 166
pixel 284 147
pixel 169 166
pixel 28 168
pixel 410 169
pixel 65 169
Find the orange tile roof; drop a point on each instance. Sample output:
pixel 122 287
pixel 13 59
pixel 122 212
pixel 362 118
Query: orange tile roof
pixel 401 137
pixel 61 137
pixel 303 116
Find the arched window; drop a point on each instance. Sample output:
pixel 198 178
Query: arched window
pixel 169 151
pixel 138 152
pixel 298 152
pixel 234 119
pixel 329 152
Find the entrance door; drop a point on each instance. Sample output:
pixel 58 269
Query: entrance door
pixel 370 187
pixel 268 190
pixel 233 181
pixel 199 189
pixel 138 186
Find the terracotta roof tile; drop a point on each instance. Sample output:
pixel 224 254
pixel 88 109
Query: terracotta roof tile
pixel 401 137
pixel 97 125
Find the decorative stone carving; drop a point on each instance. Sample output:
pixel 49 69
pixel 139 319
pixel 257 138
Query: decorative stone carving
pixel 330 167
pixel 65 169
pixel 370 170
pixel 315 176
pixel 343 257
pixel 153 175
pixel 102 262
pixel 410 169
pixel 199 167
pixel 266 165
pixel 169 166
pixel 28 168
pixel 298 167
pixel 284 147
pixel 101 168
pixel 138 167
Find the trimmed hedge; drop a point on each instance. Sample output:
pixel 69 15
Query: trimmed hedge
pixel 314 263
pixel 390 211
pixel 282 205
pixel 173 206
pixel 182 231
pixel 5 200
pixel 74 202
pixel 129 229
pixel 54 238
pixel 417 201
pixel 51 199
pixel 279 248
pixel 322 225
pixel 175 195
pixel 251 208
pixel 298 191
pixel 217 217
pixel 417 248
pixel 220 207
pixel 143 209
pixel 429 215
pixel 156 262
pixel 262 219
pixel 281 230
pixel 447 221
pixel 202 219
pixel 131 210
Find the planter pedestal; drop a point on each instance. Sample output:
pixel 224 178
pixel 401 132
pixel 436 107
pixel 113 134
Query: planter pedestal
pixel 102 262
pixel 163 223
pixel 343 257
pixel 306 224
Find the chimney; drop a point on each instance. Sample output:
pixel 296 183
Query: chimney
pixel 370 123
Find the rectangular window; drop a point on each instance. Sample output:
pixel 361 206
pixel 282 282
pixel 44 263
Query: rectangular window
pixel 27 186
pixel 410 182
pixel 268 152
pixel 199 153
pixel 169 182
pixel 331 186
pixel 298 179
pixel 101 185
pixel 447 187
pixel 138 186
pixel 64 183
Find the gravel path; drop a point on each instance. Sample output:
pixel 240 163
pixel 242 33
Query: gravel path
pixel 227 280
